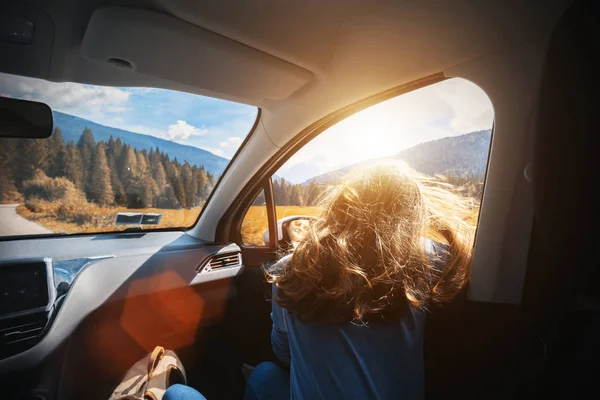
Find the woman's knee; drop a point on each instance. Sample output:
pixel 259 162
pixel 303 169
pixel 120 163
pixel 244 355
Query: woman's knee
pixel 268 381
pixel 268 368
pixel 182 392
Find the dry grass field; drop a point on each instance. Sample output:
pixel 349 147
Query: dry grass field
pixel 255 222
pixel 93 218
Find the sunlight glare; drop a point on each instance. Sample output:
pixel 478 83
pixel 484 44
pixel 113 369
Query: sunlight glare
pixel 449 108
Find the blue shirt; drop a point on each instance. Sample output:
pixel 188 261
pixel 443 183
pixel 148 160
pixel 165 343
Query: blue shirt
pixel 382 360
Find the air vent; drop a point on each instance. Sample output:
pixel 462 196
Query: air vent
pixel 19 334
pixel 223 260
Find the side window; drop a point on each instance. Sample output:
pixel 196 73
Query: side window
pixel 296 198
pixel 255 222
pixel 442 131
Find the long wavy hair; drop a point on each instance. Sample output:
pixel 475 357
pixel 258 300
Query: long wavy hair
pixel 370 255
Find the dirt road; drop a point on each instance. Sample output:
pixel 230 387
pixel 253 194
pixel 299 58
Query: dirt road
pixel 12 223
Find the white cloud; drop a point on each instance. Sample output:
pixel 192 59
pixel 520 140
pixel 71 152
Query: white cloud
pixel 182 131
pixel 214 150
pixel 232 143
pixel 226 148
pixel 117 109
pixel 66 96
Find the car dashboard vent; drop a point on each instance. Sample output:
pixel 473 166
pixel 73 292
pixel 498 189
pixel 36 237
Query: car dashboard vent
pixel 19 334
pixel 223 260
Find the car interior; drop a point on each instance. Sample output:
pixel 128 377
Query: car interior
pixel 527 326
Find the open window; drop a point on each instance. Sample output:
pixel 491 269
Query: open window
pixel 442 131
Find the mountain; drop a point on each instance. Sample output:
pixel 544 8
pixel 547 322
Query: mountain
pixel 464 155
pixel 458 156
pixel 72 127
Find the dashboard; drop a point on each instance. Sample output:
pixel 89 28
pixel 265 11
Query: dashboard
pixel 31 292
pixel 61 290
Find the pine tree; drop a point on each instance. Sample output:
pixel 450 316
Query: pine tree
pixel 128 167
pixel 296 196
pixel 8 189
pixel 8 152
pixel 168 199
pixel 154 160
pixel 179 192
pixel 203 185
pixel 285 192
pixel 87 148
pixel 74 167
pixel 57 167
pixel 190 186
pixel 146 186
pixel 100 185
pixel 171 171
pixel 32 155
pixel 115 180
pixel 129 174
pixel 160 177
pixel 8 155
pixel 114 148
pixel 212 181
pixel 277 193
pixel 118 147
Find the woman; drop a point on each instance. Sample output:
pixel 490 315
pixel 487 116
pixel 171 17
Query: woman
pixel 348 309
pixel 349 303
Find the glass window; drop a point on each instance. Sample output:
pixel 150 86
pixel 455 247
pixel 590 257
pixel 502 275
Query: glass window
pixel 116 155
pixel 255 222
pixel 443 131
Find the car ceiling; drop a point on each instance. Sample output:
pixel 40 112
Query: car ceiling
pixel 353 48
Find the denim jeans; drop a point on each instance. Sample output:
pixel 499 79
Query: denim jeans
pixel 268 382
pixel 182 392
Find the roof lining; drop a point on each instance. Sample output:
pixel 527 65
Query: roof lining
pixel 153 44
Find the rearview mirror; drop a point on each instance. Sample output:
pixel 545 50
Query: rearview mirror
pixel 25 119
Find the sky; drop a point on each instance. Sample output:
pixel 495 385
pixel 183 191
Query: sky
pixel 215 125
pixel 450 108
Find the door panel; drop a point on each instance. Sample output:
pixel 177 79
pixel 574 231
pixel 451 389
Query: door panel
pixel 473 347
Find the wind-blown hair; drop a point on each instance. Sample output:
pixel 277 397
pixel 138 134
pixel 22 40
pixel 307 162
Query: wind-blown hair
pixel 366 258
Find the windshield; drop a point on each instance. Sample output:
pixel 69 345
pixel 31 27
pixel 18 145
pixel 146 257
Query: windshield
pixel 118 158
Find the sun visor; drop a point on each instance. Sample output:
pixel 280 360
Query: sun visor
pixel 167 48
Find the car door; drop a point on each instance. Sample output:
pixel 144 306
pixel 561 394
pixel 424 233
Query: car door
pixel 483 342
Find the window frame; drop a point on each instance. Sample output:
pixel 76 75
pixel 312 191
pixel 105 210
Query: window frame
pixel 228 228
pixel 267 188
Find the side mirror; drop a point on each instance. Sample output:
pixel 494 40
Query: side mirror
pixel 25 119
pixel 290 230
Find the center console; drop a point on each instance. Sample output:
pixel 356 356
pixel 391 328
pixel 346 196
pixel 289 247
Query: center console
pixel 27 301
